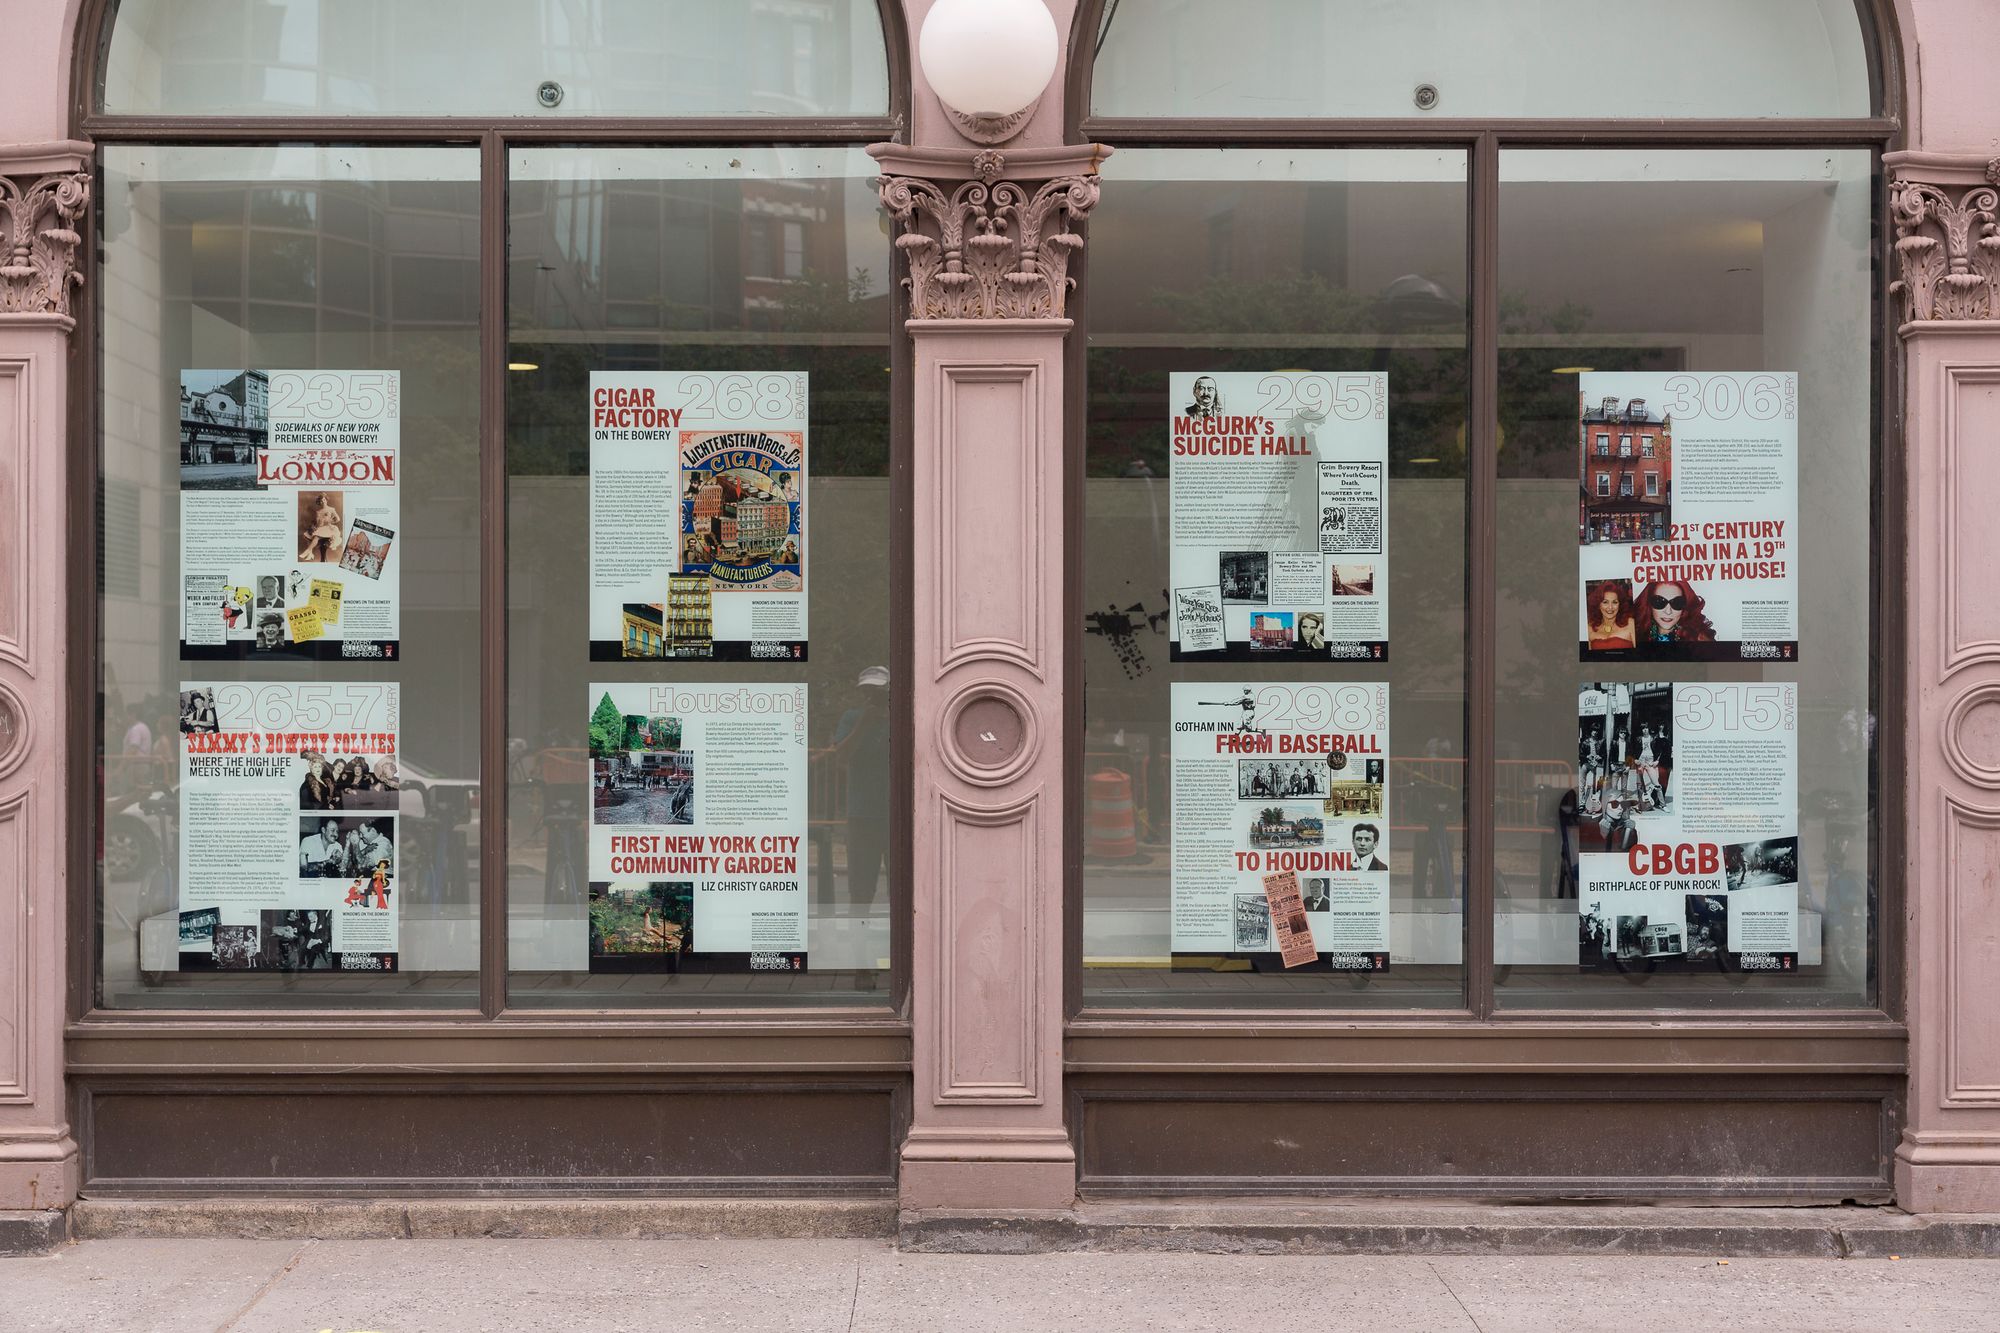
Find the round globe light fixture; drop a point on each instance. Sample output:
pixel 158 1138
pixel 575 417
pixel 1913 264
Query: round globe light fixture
pixel 989 62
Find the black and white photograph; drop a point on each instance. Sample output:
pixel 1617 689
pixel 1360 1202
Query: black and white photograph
pixel 236 948
pixel 1315 894
pixel 1245 577
pixel 1593 930
pixel 198 712
pixel 296 940
pixel 298 586
pixel 270 592
pixel 197 929
pixel 1707 927
pixel 1750 865
pixel 1624 760
pixel 1277 826
pixel 349 783
pixel 224 427
pixel 333 847
pixel 1365 838
pixel 1207 398
pixel 270 632
pixel 1273 779
pixel 1253 922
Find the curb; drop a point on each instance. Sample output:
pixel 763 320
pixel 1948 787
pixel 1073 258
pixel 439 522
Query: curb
pixel 473 1219
pixel 1826 1233
pixel 37 1232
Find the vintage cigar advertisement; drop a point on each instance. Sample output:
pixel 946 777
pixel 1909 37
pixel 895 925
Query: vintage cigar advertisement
pixel 697 827
pixel 1272 779
pixel 1280 518
pixel 1688 517
pixel 697 515
pixel 289 840
pixel 290 484
pixel 1288 918
pixel 1687 826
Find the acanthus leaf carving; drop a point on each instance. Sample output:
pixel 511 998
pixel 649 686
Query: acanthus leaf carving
pixel 1948 249
pixel 40 234
pixel 990 249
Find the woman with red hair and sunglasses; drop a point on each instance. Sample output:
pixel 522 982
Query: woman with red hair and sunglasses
pixel 1672 613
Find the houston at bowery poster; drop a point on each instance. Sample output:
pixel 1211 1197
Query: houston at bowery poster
pixel 1687 826
pixel 290 845
pixel 1274 778
pixel 1688 515
pixel 698 515
pixel 290 514
pixel 1279 516
pixel 697 827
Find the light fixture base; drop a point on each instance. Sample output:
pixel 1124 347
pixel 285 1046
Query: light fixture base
pixel 990 130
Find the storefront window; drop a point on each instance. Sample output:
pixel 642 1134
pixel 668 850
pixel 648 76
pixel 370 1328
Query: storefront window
pixel 1274 504
pixel 1599 59
pixel 1719 304
pixel 531 58
pixel 288 621
pixel 701 577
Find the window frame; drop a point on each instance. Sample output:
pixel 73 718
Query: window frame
pixel 1108 1031
pixel 871 1036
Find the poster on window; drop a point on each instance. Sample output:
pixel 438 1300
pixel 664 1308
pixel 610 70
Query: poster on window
pixel 1687 826
pixel 290 516
pixel 1688 517
pixel 697 827
pixel 1279 516
pixel 289 838
pixel 697 516
pixel 1281 788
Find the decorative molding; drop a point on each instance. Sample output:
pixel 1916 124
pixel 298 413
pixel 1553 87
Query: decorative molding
pixel 988 249
pixel 988 1057
pixel 990 130
pixel 17 1060
pixel 1962 646
pixel 1015 762
pixel 997 476
pixel 1967 940
pixel 40 233
pixel 1947 244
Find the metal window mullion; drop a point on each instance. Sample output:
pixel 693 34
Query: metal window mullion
pixel 493 572
pixel 1482 612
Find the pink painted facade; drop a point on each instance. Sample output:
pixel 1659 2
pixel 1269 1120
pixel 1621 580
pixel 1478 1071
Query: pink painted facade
pixel 987 1126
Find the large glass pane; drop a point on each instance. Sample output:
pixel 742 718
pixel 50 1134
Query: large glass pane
pixel 495 57
pixel 1657 305
pixel 1213 272
pixel 724 280
pixel 1583 58
pixel 249 298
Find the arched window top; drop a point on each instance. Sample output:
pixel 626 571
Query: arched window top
pixel 489 58
pixel 1582 59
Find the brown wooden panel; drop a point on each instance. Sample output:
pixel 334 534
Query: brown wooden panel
pixel 1582 1142
pixel 741 1138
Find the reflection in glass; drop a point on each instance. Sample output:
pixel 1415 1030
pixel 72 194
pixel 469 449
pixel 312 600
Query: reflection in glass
pixel 288 258
pixel 1668 261
pixel 699 261
pixel 1252 260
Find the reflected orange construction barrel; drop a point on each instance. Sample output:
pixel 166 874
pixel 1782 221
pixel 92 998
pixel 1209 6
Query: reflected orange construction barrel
pixel 1112 832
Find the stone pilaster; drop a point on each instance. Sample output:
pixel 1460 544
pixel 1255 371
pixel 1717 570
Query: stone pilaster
pixel 1947 254
pixel 44 194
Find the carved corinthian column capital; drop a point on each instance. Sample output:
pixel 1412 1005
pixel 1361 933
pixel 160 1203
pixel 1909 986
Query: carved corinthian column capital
pixel 1947 237
pixel 44 193
pixel 976 246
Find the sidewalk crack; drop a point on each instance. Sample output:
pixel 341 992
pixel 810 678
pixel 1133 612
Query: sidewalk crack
pixel 1454 1296
pixel 265 1290
pixel 854 1299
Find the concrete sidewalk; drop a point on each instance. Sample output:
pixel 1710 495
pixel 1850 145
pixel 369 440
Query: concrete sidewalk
pixel 584 1286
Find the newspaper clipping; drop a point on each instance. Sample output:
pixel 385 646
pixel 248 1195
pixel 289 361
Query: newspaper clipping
pixel 1281 788
pixel 290 514
pixel 697 827
pixel 697 516
pixel 1280 516
pixel 1687 823
pixel 1688 517
pixel 289 807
